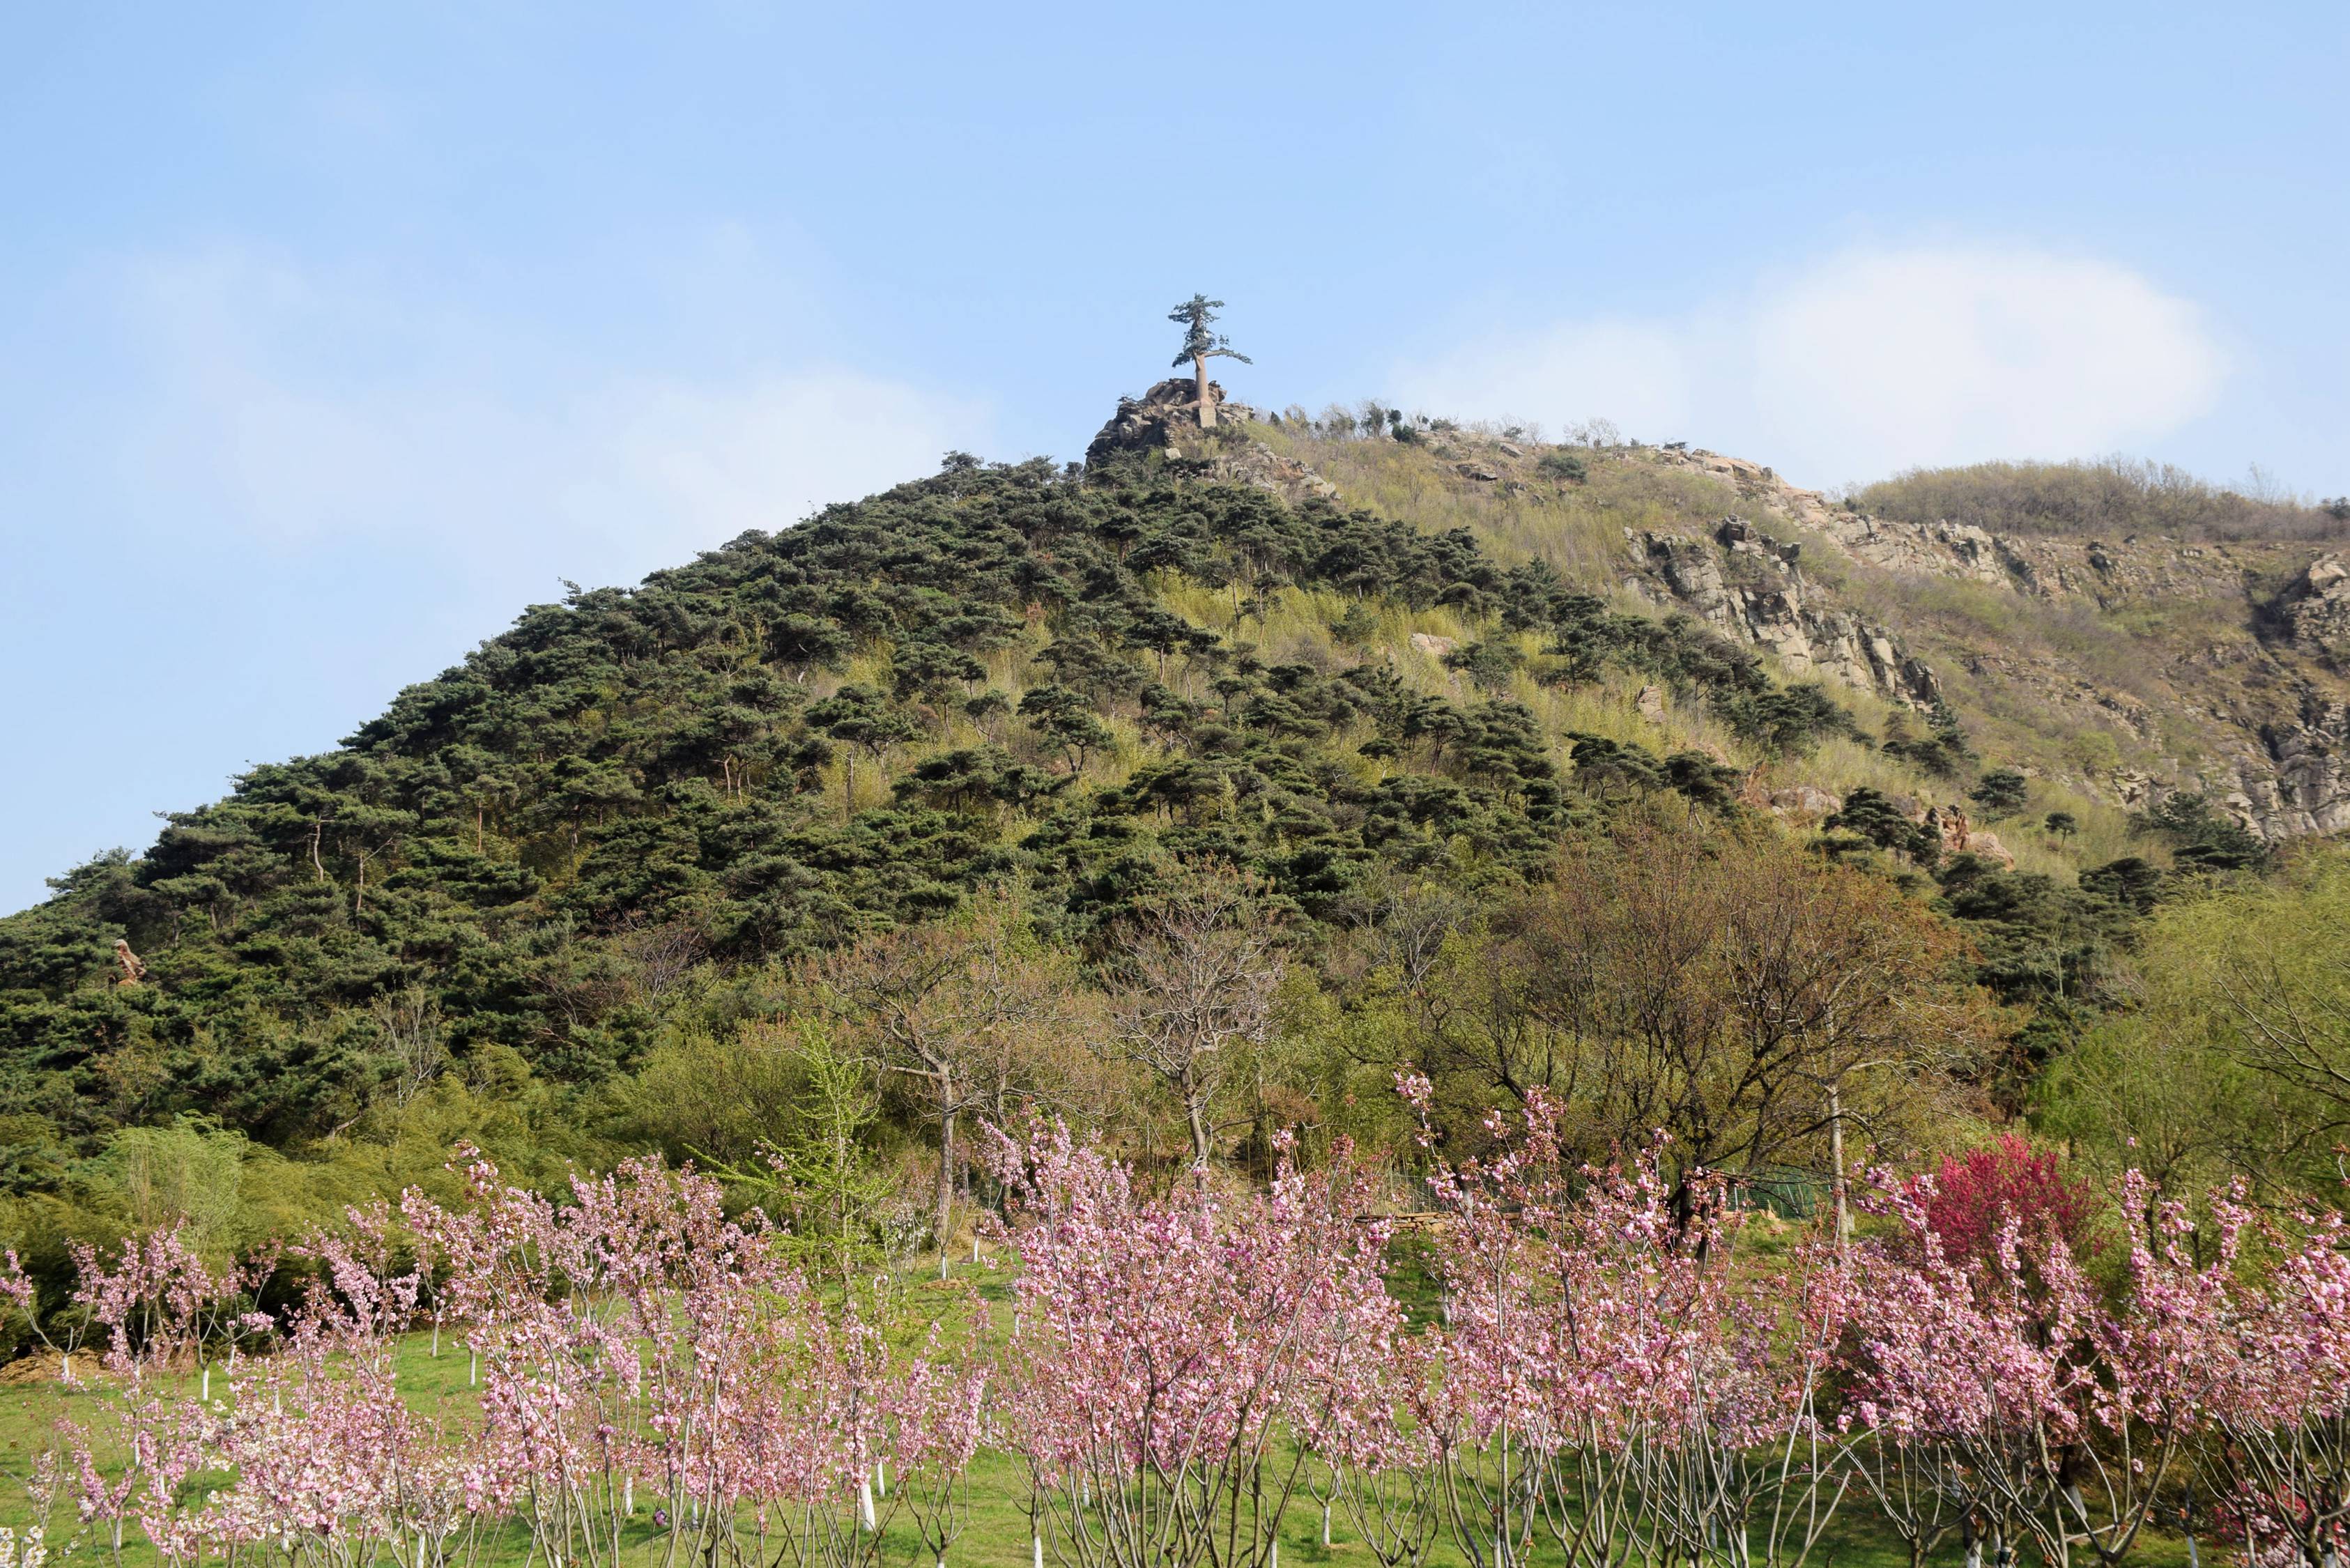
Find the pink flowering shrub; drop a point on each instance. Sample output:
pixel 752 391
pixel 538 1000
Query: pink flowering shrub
pixel 1624 1371
pixel 2057 1415
pixel 1608 1376
pixel 2280 1465
pixel 653 1379
pixel 1974 1196
pixel 1163 1347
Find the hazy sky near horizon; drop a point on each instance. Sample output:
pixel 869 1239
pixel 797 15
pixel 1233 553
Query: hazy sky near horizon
pixel 332 336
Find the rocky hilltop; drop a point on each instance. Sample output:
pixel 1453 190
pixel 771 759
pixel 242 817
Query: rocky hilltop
pixel 2131 667
pixel 2211 667
pixel 1164 423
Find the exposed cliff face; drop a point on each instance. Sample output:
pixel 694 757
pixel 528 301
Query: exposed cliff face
pixel 1750 586
pixel 2316 611
pixel 2299 782
pixel 2203 673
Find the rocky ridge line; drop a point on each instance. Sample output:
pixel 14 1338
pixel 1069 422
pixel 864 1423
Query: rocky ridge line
pixel 2257 717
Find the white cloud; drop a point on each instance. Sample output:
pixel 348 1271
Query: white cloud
pixel 303 416
pixel 1868 361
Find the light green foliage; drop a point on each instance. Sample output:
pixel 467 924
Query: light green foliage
pixel 2238 1058
pixel 2143 1090
pixel 701 1097
pixel 184 1174
pixel 823 1178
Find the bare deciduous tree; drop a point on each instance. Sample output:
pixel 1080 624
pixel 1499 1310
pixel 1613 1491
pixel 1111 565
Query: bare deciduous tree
pixel 409 1024
pixel 1749 1000
pixel 966 1013
pixel 660 957
pixel 1200 969
pixel 1762 1007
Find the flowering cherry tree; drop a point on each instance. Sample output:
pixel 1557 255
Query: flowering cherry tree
pixel 2281 1469
pixel 1378 1445
pixel 2010 1379
pixel 1609 1383
pixel 637 1336
pixel 1163 1350
pixel 1960 1375
pixel 2159 1366
pixel 653 1380
pixel 1622 1377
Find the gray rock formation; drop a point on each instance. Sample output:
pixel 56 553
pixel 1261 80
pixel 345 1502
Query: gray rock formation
pixel 2301 781
pixel 2230 689
pixel 1806 804
pixel 1750 588
pixel 1165 416
pixel 2316 607
pixel 1167 419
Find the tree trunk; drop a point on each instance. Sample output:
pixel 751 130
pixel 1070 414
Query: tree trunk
pixel 1195 1106
pixel 1207 409
pixel 1836 1147
pixel 946 1186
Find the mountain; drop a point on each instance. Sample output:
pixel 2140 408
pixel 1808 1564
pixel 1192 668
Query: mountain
pixel 1349 653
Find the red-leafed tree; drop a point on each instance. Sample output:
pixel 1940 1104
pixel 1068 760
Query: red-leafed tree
pixel 1974 1196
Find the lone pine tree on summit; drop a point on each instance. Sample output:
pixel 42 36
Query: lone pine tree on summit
pixel 1200 345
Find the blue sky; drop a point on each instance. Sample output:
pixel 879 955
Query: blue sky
pixel 331 336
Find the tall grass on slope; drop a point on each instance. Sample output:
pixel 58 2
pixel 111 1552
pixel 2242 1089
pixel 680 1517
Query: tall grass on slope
pixel 2110 495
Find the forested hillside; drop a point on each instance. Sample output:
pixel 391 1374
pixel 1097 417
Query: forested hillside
pixel 801 856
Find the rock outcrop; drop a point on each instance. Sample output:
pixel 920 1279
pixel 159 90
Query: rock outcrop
pixel 1806 804
pixel 1166 419
pixel 2316 608
pixel 2304 785
pixel 1749 588
pixel 1959 835
pixel 2205 679
pixel 1163 418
